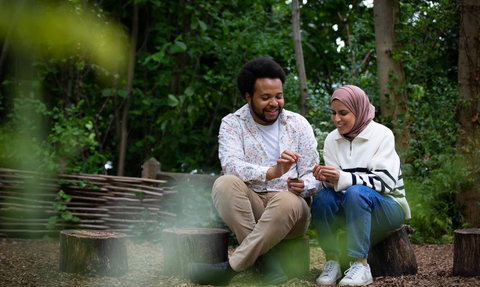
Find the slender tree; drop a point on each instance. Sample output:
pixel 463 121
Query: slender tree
pixel 297 43
pixel 126 107
pixel 391 73
pixel 469 104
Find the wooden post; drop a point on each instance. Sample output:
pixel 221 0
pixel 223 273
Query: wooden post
pixel 294 256
pixel 185 245
pixel 93 252
pixel 466 252
pixel 151 168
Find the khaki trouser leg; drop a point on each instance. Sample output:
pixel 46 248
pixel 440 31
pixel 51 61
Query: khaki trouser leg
pixel 262 219
pixel 238 206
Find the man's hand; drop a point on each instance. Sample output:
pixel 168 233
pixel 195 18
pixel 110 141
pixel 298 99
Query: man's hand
pixel 295 186
pixel 284 163
pixel 326 173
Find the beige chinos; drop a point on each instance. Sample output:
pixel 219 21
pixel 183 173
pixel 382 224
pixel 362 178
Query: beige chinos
pixel 259 220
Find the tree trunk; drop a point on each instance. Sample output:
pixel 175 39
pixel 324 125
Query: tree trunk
pixel 93 252
pixel 391 74
pixel 469 104
pixel 466 252
pixel 297 43
pixel 192 245
pixel 126 107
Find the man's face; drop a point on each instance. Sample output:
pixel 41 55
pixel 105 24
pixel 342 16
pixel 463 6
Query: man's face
pixel 267 101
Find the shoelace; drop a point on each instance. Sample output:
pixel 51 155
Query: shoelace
pixel 328 268
pixel 353 270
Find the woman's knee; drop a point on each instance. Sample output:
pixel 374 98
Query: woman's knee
pixel 354 192
pixel 324 198
pixel 357 195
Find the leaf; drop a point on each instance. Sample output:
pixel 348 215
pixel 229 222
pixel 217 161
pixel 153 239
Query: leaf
pixel 202 25
pixel 67 215
pixel 190 108
pixel 157 57
pixel 163 126
pixel 181 45
pixel 172 101
pixel 189 91
pixel 106 92
pixel 194 23
pixel 122 93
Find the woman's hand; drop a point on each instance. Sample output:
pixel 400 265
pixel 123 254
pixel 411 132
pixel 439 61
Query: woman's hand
pixel 295 186
pixel 284 163
pixel 326 173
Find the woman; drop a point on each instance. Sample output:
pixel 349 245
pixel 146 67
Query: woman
pixel 362 186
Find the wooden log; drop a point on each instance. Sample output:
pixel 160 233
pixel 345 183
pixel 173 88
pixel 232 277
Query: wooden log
pixel 294 256
pixel 466 252
pixel 93 252
pixel 185 245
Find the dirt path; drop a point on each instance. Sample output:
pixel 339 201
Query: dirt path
pixel 36 263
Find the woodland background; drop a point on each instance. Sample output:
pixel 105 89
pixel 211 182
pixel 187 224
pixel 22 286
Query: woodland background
pixel 101 86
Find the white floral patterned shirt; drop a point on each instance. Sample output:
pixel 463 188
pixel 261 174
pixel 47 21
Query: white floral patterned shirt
pixel 243 153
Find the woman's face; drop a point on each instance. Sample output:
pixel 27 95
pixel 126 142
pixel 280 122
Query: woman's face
pixel 342 117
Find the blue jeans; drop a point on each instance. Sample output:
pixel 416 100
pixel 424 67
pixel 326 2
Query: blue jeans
pixel 359 211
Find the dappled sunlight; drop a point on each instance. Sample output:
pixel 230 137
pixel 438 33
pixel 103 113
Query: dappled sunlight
pixel 62 30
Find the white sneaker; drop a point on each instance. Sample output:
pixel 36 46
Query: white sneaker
pixel 357 275
pixel 330 274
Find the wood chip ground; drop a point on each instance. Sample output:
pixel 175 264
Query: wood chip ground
pixel 36 263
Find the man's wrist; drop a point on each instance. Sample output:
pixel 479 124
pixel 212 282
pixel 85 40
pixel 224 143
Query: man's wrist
pixel 271 173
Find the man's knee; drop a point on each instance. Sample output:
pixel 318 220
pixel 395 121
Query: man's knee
pixel 288 201
pixel 226 184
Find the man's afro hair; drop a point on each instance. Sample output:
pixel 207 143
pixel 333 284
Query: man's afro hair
pixel 258 68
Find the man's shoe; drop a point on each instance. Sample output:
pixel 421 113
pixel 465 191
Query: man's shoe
pixel 357 275
pixel 272 271
pixel 330 274
pixel 210 274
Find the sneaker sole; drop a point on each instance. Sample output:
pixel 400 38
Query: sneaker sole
pixel 328 282
pixel 370 281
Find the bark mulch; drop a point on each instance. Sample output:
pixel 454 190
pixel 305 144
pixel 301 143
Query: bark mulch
pixel 36 263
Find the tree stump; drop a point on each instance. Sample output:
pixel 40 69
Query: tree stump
pixel 294 256
pixel 185 245
pixel 93 252
pixel 393 255
pixel 466 252
pixel 390 254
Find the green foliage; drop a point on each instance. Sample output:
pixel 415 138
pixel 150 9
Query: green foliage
pixel 435 214
pixel 62 98
pixel 69 141
pixel 60 207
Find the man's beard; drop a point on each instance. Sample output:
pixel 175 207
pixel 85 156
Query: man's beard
pixel 261 113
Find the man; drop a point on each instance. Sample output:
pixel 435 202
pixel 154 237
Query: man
pixel 267 155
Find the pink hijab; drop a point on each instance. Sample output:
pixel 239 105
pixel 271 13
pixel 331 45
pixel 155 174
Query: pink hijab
pixel 356 101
